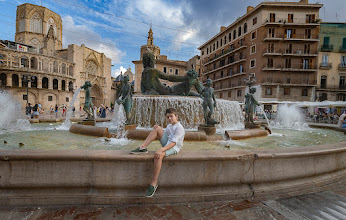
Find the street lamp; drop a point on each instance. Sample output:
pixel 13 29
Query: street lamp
pixel 26 79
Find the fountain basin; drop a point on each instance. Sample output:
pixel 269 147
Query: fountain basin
pixel 84 177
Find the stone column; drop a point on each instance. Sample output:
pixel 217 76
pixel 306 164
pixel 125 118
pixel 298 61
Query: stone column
pixel 9 80
pixel 39 82
pixel 19 80
pixel 59 84
pixel 50 83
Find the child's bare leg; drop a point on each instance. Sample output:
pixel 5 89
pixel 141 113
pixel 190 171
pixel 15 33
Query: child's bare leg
pixel 156 133
pixel 157 168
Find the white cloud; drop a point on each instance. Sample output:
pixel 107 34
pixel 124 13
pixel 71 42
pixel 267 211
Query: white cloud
pixel 117 72
pixel 81 34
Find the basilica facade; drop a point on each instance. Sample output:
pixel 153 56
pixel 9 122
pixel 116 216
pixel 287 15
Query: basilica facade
pixel 35 63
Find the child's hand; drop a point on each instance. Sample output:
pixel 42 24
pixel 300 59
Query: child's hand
pixel 156 126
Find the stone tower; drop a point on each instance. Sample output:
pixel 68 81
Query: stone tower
pixel 33 23
pixel 150 47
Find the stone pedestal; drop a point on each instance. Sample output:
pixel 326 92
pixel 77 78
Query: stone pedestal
pixel 130 127
pixel 209 130
pixel 87 122
pixel 252 125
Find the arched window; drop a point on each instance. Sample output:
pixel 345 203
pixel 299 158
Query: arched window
pixel 33 82
pixel 55 84
pixel 234 34
pixel 70 70
pixel 36 23
pixel 63 68
pixel 239 31
pixel 245 28
pixel 3 79
pixel 63 85
pixel 15 80
pixel 70 86
pixel 33 63
pixel 35 43
pixel 45 83
pixel 21 23
pixel 55 67
pixel 24 61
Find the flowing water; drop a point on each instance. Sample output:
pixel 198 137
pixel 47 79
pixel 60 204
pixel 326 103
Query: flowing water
pixel 12 117
pixel 289 117
pixel 67 123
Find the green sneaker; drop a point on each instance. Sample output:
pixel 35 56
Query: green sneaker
pixel 151 190
pixel 139 151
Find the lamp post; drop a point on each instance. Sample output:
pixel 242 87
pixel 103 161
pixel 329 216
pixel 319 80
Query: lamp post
pixel 26 79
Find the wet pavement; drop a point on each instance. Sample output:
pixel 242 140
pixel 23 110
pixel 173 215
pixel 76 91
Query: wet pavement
pixel 330 203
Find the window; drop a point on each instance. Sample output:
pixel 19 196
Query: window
pixel 231 47
pixel 207 50
pixel 343 47
pixel 221 74
pixel 253 35
pixel 306 48
pixel 231 59
pixel 229 36
pixel 288 63
pixel 245 28
pixel 214 65
pixel 229 94
pixel 234 34
pixel 222 62
pixel 176 72
pixel 271 32
pixel 240 68
pixel 220 42
pixel 239 31
pixel 290 18
pixel 253 49
pixel 290 33
pixel 220 95
pixel 306 64
pixel 323 82
pixel 202 52
pixel 307 33
pixel 272 17
pixel 225 39
pixel 343 61
pixel 238 92
pixel 25 97
pixel 342 82
pixel 242 42
pixel 270 63
pixel 165 69
pixel 304 92
pixel 252 63
pixel 287 91
pixel 217 44
pixel 214 47
pixel 325 60
pixel 50 98
pixel 67 99
pixel 310 18
pixel 170 71
pixel 254 21
pixel 241 55
pixel 289 49
pixel 271 48
pixel 230 71
pixel 269 90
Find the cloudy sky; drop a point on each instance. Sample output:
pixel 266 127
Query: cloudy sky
pixel 119 27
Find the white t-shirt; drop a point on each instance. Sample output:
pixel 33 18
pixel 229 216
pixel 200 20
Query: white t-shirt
pixel 176 134
pixel 341 119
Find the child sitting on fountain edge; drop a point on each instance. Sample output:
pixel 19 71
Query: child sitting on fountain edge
pixel 171 140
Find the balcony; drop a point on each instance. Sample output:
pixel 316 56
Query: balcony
pixel 300 68
pixel 342 66
pixel 325 66
pixel 301 53
pixel 267 67
pixel 272 53
pixel 327 47
pixel 275 37
pixel 343 49
pixel 292 22
pixel 218 67
pixel 300 37
pixel 227 52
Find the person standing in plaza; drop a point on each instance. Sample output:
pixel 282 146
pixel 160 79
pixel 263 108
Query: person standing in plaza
pixel 28 110
pixel 342 120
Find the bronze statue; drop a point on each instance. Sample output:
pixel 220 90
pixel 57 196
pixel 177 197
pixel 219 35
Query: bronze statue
pixel 125 97
pixel 151 84
pixel 209 101
pixel 250 102
pixel 88 105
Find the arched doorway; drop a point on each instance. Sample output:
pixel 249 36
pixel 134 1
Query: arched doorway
pixel 55 84
pixel 97 95
pixel 63 85
pixel 3 79
pixel 15 80
pixel 45 83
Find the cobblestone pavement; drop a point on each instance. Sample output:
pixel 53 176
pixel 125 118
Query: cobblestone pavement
pixel 330 203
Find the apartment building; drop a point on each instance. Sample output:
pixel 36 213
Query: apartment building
pixel 275 41
pixel 331 83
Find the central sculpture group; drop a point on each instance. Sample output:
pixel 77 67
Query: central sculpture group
pixel 188 85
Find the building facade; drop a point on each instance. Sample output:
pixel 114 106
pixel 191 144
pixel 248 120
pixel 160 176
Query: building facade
pixel 163 64
pixel 331 77
pixel 275 41
pixel 54 73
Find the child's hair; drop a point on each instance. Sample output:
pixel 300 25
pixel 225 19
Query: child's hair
pixel 171 111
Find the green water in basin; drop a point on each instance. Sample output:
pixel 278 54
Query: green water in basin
pixel 45 136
